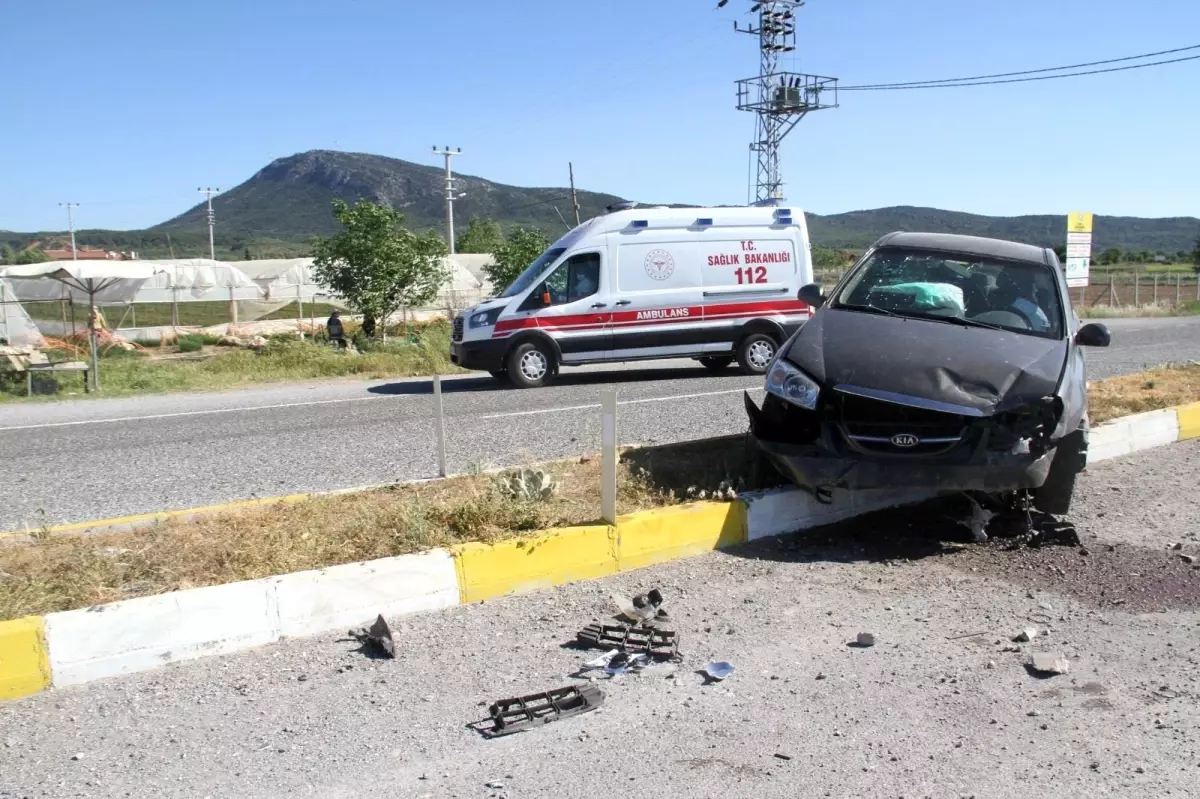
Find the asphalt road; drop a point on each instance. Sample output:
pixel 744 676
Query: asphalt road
pixel 88 460
pixel 941 706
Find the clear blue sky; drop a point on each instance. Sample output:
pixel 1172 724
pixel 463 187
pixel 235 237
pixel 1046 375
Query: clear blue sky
pixel 127 106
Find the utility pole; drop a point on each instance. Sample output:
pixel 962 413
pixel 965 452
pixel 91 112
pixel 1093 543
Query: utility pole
pixel 574 196
pixel 208 193
pixel 450 197
pixel 780 99
pixel 71 226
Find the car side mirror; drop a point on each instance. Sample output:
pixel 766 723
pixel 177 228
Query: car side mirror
pixel 812 295
pixel 1093 334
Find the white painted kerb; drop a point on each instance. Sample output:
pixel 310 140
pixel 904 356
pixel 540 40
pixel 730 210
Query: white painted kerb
pixel 142 634
pixel 1132 434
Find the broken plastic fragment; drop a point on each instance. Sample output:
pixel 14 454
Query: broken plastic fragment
pixel 602 661
pixel 718 671
pixel 622 663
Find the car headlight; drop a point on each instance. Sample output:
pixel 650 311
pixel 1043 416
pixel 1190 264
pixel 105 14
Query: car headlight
pixel 486 318
pixel 789 383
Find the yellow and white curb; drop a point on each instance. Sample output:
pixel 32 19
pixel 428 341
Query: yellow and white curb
pixel 78 646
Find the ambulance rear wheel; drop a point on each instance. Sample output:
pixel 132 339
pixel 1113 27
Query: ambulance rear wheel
pixel 530 364
pixel 755 353
pixel 716 364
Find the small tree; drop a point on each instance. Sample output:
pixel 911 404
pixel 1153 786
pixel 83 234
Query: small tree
pixel 376 264
pixel 1196 256
pixel 246 254
pixel 31 255
pixel 1111 256
pixel 8 255
pixel 520 250
pixel 481 236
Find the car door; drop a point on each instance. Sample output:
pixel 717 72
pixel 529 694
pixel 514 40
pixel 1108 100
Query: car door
pixel 657 308
pixel 578 314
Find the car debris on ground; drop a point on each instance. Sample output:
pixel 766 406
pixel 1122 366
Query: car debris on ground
pixel 658 644
pixel 378 638
pixel 1026 635
pixel 719 671
pixel 522 713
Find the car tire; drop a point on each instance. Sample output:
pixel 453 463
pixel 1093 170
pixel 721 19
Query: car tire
pixel 530 365
pixel 1070 456
pixel 716 365
pixel 755 353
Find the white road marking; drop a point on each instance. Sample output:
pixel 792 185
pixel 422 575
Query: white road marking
pixel 189 413
pixel 182 414
pixel 567 408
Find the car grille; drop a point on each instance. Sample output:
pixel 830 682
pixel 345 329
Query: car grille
pixel 457 332
pixel 871 425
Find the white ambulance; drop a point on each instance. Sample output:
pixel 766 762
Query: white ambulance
pixel 711 284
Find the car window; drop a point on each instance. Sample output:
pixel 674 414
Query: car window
pixel 1014 295
pixel 577 278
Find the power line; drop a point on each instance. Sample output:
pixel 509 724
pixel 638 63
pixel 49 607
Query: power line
pixel 987 80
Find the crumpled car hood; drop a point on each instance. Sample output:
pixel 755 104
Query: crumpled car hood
pixel 987 370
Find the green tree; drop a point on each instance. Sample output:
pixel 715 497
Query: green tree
pixel 1196 256
pixel 481 236
pixel 1061 250
pixel 31 255
pixel 8 255
pixel 1112 255
pixel 826 259
pixel 376 264
pixel 246 254
pixel 520 250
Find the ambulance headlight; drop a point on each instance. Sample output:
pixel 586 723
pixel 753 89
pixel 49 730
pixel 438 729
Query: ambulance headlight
pixel 789 383
pixel 486 318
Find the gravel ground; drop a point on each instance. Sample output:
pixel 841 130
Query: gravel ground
pixel 941 706
pixel 124 456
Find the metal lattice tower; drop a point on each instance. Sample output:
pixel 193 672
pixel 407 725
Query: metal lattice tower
pixel 779 98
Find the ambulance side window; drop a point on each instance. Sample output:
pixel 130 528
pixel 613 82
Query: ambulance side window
pixel 576 279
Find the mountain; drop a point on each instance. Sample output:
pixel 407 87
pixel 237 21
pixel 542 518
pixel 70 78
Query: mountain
pixel 289 198
pixel 858 229
pixel 281 207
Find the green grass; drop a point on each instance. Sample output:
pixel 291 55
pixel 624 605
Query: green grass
pixel 126 373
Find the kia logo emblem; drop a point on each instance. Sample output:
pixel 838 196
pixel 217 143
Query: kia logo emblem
pixel 905 440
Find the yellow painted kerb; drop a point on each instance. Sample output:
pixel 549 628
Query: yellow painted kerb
pixel 533 563
pixel 24 662
pixel 1189 421
pixel 667 534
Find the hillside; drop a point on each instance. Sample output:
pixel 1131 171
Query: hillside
pixel 277 211
pixel 289 198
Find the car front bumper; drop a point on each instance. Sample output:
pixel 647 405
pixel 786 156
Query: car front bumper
pixel 819 466
pixel 485 355
pixel 810 468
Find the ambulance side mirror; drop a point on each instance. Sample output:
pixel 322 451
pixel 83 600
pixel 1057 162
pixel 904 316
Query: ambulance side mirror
pixel 546 298
pixel 812 295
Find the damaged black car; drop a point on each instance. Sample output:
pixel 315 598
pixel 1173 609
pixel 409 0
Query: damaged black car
pixel 939 362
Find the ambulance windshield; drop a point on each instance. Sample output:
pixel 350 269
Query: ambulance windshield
pixel 526 278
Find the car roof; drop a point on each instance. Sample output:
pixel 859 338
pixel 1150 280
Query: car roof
pixel 967 245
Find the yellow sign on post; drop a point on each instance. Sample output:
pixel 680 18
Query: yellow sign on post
pixel 1079 222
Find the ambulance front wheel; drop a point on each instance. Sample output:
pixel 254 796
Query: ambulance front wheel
pixel 755 353
pixel 530 365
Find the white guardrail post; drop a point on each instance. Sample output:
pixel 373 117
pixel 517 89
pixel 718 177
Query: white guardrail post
pixel 608 455
pixel 439 424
